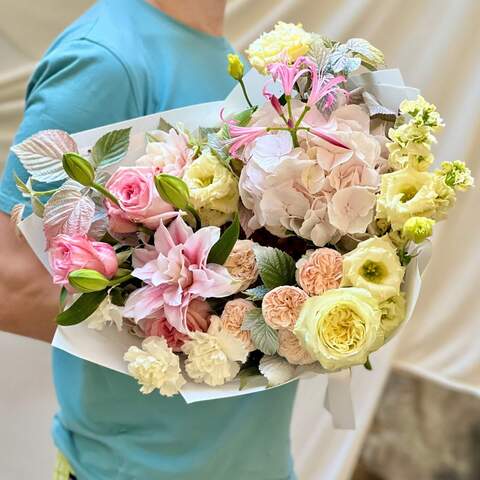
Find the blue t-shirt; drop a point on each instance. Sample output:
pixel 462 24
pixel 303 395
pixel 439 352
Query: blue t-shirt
pixel 123 59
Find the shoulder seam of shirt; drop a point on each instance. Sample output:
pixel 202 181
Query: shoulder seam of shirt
pixel 85 38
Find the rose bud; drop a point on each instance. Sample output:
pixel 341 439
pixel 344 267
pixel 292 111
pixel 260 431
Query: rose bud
pixel 78 168
pixel 86 280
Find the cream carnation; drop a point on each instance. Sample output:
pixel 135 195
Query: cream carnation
pixel 155 366
pixel 340 327
pixel 241 264
pixel 106 314
pixel 213 357
pixel 319 270
pixel 290 348
pixel 375 266
pixel 281 306
pixel 286 40
pixel 232 319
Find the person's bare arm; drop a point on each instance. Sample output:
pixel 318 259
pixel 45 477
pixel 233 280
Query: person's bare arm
pixel 28 299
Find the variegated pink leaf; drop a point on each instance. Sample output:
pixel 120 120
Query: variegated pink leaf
pixel 69 212
pixel 42 153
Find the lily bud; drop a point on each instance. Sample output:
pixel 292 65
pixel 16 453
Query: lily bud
pixel 86 280
pixel 173 190
pixel 418 229
pixel 235 66
pixel 79 169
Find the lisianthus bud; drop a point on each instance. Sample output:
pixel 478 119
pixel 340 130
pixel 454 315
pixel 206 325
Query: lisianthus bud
pixel 78 168
pixel 173 190
pixel 86 280
pixel 235 66
pixel 418 229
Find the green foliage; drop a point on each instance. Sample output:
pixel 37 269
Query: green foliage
pixel 276 268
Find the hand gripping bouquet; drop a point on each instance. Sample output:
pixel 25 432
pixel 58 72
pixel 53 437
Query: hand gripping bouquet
pixel 245 243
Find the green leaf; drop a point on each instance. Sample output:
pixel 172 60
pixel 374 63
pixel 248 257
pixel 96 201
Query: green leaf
pixel 150 138
pixel 111 148
pixel 23 187
pixel 370 56
pixel 219 148
pixel 256 293
pixel 264 337
pixel 38 207
pixel 221 250
pixel 204 132
pixel 276 267
pixel 246 374
pixel 63 298
pixel 243 117
pixel 367 364
pixel 164 126
pixel 81 309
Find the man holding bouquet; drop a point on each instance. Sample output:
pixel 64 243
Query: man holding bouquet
pixel 124 59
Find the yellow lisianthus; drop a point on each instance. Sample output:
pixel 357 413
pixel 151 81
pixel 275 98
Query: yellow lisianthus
pixel 340 327
pixel 213 189
pixel 418 229
pixel 407 193
pixel 286 40
pixel 393 314
pixel 374 265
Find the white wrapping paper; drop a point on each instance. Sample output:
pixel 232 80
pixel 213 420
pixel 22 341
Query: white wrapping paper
pixel 106 348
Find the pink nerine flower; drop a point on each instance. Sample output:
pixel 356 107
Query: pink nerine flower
pixel 242 136
pixel 198 313
pixel 69 253
pixel 288 75
pixel 139 201
pixel 176 272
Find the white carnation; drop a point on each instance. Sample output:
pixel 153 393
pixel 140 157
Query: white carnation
pixel 213 357
pixel 155 366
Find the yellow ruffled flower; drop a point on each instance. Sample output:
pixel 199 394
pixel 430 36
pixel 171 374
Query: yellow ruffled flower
pixel 422 112
pixel 213 189
pixel 456 175
pixel 418 229
pixel 407 193
pixel 340 327
pixel 286 40
pixel 375 266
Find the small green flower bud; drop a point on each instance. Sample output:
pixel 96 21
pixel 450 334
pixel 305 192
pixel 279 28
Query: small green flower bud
pixel 235 66
pixel 173 190
pixel 79 169
pixel 86 281
pixel 418 229
pixel 456 175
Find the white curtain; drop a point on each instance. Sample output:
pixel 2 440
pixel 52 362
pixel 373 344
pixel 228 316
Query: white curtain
pixel 436 44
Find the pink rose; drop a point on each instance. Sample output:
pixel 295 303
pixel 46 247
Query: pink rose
pixel 281 306
pixel 290 348
pixel 198 314
pixel 68 253
pixel 139 201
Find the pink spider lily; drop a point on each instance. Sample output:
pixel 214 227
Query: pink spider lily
pixel 321 86
pixel 275 102
pixel 324 133
pixel 241 136
pixel 288 75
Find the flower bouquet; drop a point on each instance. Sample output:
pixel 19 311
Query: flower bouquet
pixel 227 247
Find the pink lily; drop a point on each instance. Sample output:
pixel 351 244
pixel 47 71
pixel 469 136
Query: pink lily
pixel 175 271
pixel 288 74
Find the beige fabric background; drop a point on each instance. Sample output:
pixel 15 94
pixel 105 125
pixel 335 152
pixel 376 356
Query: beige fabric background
pixel 436 44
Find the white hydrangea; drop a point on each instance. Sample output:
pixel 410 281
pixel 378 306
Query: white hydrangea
pixel 155 366
pixel 214 356
pixel 106 314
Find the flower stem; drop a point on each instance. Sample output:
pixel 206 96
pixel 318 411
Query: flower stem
pixel 302 116
pixel 292 130
pixel 244 90
pixel 120 280
pixel 193 212
pixel 105 193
